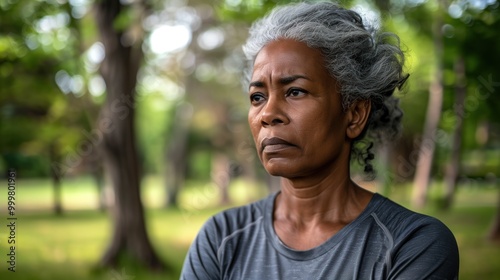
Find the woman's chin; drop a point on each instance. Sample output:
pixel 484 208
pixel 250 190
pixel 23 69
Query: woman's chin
pixel 282 169
pixel 276 171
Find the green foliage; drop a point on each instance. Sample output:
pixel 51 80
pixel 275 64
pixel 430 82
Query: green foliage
pixel 248 11
pixel 153 116
pixel 200 165
pixel 124 19
pixel 468 32
pixel 38 39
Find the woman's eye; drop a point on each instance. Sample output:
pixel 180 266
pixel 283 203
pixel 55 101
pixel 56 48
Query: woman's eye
pixel 256 98
pixel 295 92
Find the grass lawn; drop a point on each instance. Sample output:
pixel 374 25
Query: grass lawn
pixel 69 246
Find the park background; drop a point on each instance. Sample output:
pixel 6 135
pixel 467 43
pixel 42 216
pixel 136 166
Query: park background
pixel 125 123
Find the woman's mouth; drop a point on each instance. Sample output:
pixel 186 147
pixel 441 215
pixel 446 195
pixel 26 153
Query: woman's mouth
pixel 274 144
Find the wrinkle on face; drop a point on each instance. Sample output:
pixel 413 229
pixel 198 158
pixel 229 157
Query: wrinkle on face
pixel 314 122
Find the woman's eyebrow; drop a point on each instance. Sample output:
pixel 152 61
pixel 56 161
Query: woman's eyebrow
pixel 289 79
pixel 256 84
pixel 284 80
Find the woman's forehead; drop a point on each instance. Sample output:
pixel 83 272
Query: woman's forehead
pixel 284 58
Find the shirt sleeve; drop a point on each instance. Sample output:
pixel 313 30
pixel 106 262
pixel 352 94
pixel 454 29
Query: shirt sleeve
pixel 428 251
pixel 201 262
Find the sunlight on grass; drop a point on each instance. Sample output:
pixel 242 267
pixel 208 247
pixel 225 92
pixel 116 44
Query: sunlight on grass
pixel 153 191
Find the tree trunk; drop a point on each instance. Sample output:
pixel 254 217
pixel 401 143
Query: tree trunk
pixel 222 142
pixel 98 176
pixel 494 234
pixel 384 180
pixel 452 169
pixel 119 70
pixel 428 144
pixel 56 180
pixel 177 153
pixel 221 176
pixel 57 195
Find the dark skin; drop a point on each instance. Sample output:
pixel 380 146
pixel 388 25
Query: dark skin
pixel 303 135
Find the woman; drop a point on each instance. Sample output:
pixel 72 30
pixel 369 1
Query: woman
pixel 318 82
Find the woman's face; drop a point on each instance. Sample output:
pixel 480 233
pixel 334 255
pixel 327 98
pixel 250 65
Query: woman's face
pixel 296 116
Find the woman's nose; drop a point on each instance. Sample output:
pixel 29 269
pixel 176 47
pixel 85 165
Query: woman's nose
pixel 273 112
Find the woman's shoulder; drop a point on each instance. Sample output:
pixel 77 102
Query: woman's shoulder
pixel 400 220
pixel 419 242
pixel 221 231
pixel 235 219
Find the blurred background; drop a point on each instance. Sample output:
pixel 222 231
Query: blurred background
pixel 125 122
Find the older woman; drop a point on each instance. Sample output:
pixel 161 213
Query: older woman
pixel 318 82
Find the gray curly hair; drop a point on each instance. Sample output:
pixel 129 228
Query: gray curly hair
pixel 368 65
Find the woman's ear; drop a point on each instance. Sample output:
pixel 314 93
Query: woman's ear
pixel 357 114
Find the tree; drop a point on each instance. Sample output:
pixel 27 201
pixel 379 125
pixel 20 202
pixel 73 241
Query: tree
pixel 494 233
pixel 453 166
pixel 39 48
pixel 466 24
pixel 428 143
pixel 482 100
pixel 121 38
pixel 176 155
pixel 454 42
pixel 212 87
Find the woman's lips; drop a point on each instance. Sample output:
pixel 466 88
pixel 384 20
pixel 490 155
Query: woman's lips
pixel 274 144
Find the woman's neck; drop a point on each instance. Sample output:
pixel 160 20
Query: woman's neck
pixel 339 200
pixel 309 211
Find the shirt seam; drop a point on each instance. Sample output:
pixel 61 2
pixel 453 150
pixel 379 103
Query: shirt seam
pixel 321 250
pixel 227 238
pixel 388 257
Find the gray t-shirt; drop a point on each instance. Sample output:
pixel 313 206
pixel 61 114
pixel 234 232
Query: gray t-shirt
pixel 386 241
